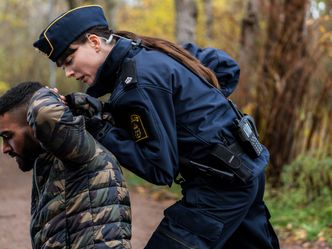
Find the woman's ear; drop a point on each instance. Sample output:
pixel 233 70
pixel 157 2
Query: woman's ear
pixel 94 42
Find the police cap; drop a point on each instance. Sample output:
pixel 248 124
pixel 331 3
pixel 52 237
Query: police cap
pixel 66 28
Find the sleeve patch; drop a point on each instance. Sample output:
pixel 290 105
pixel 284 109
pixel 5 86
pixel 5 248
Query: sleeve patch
pixel 138 130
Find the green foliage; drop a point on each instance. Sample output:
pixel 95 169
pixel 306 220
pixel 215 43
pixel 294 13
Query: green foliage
pixel 311 175
pixel 302 207
pixel 311 221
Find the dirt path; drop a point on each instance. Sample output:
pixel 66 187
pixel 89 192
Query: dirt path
pixel 15 188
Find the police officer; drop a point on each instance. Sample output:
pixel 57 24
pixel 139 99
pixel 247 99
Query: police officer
pixel 172 122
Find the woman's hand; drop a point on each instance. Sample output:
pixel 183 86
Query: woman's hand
pixel 84 104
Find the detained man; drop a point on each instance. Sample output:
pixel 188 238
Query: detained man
pixel 79 196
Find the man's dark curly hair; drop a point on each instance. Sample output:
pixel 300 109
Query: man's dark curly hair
pixel 18 96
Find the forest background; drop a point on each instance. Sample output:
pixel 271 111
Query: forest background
pixel 284 48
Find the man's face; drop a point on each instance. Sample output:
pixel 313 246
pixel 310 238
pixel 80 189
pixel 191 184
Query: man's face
pixel 18 140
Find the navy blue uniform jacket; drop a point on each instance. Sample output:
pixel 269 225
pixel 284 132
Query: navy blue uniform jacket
pixel 163 111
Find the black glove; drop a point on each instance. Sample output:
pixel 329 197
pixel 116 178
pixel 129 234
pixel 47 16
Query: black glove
pixel 97 123
pixel 84 104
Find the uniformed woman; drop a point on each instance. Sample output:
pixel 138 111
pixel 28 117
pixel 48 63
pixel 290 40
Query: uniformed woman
pixel 172 122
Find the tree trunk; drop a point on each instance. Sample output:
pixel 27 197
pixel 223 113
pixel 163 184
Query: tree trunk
pixel 75 3
pixel 186 20
pixel 249 59
pixel 72 4
pixel 285 81
pixel 208 13
pixel 328 7
pixel 111 7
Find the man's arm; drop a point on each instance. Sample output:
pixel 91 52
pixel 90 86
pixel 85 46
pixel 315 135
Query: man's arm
pixel 58 130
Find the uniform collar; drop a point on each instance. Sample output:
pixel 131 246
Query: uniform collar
pixel 108 72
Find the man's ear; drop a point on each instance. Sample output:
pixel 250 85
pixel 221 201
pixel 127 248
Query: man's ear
pixel 94 42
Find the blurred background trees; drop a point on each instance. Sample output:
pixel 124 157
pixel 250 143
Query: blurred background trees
pixel 284 49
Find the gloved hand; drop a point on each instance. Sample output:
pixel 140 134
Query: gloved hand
pixel 97 123
pixel 84 104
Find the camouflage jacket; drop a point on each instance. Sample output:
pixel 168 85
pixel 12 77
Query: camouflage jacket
pixel 79 196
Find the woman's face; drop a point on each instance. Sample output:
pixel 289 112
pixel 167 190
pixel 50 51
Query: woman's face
pixel 85 61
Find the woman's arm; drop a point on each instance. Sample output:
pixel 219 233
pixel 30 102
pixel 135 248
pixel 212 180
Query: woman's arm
pixel 224 67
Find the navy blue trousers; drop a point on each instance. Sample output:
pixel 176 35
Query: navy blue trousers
pixel 217 215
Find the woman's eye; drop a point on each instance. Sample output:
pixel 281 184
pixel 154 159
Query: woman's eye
pixel 68 61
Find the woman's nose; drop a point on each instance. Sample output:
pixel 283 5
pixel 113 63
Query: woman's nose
pixel 69 72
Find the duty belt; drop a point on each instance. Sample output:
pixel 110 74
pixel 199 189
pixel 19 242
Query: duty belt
pixel 228 157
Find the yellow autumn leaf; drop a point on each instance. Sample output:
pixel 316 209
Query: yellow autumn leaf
pixel 322 29
pixel 3 87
